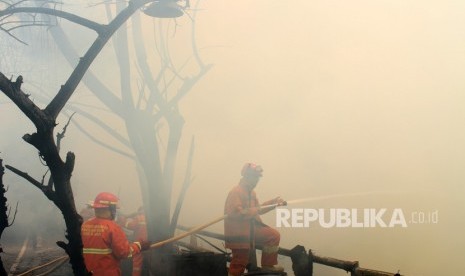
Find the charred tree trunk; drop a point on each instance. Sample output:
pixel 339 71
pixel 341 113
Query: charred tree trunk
pixel 3 214
pixel 59 190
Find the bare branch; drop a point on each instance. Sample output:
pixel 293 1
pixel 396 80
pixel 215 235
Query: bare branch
pixel 28 25
pixel 194 44
pixel 17 3
pixel 65 15
pixel 48 193
pixel 43 176
pixel 141 88
pixel 13 36
pixel 185 186
pixel 102 125
pixel 122 52
pixel 155 95
pixel 105 2
pixel 168 58
pixel 187 85
pixel 61 135
pixel 57 104
pixel 13 91
pixel 101 143
pixel 20 22
pixel 104 94
pixel 14 216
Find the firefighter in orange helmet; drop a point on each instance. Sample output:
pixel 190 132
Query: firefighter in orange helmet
pixel 243 210
pixel 104 242
pixel 138 225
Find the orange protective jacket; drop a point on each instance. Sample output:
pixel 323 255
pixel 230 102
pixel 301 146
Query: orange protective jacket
pixel 242 207
pixel 105 244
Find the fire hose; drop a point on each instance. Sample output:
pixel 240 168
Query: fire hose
pixel 203 226
pixel 61 260
pixel 218 219
pixel 271 206
pixel 198 228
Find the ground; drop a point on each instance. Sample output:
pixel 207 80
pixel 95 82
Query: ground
pixel 21 255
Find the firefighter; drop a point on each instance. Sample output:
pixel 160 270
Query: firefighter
pixel 104 242
pixel 138 226
pixel 243 210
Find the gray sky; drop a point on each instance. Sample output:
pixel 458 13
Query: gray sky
pixel 330 97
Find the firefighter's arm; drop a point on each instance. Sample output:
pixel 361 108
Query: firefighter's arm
pixel 272 204
pixel 121 247
pixel 277 200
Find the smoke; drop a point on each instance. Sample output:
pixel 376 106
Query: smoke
pixel 354 104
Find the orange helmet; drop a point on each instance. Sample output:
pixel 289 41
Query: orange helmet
pixel 105 200
pixel 251 169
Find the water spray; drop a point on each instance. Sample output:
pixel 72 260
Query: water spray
pixel 319 198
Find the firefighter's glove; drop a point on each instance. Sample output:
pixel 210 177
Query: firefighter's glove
pixel 280 202
pixel 144 245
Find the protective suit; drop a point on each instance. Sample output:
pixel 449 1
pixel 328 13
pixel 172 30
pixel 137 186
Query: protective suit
pixel 243 210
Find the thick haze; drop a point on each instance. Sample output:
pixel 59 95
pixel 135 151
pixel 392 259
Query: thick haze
pixel 331 98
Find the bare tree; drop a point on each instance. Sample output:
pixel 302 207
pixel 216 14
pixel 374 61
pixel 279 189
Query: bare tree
pixel 44 120
pixel 153 104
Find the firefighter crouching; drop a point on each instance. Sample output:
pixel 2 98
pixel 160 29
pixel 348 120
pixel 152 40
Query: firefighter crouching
pixel 105 243
pixel 244 212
